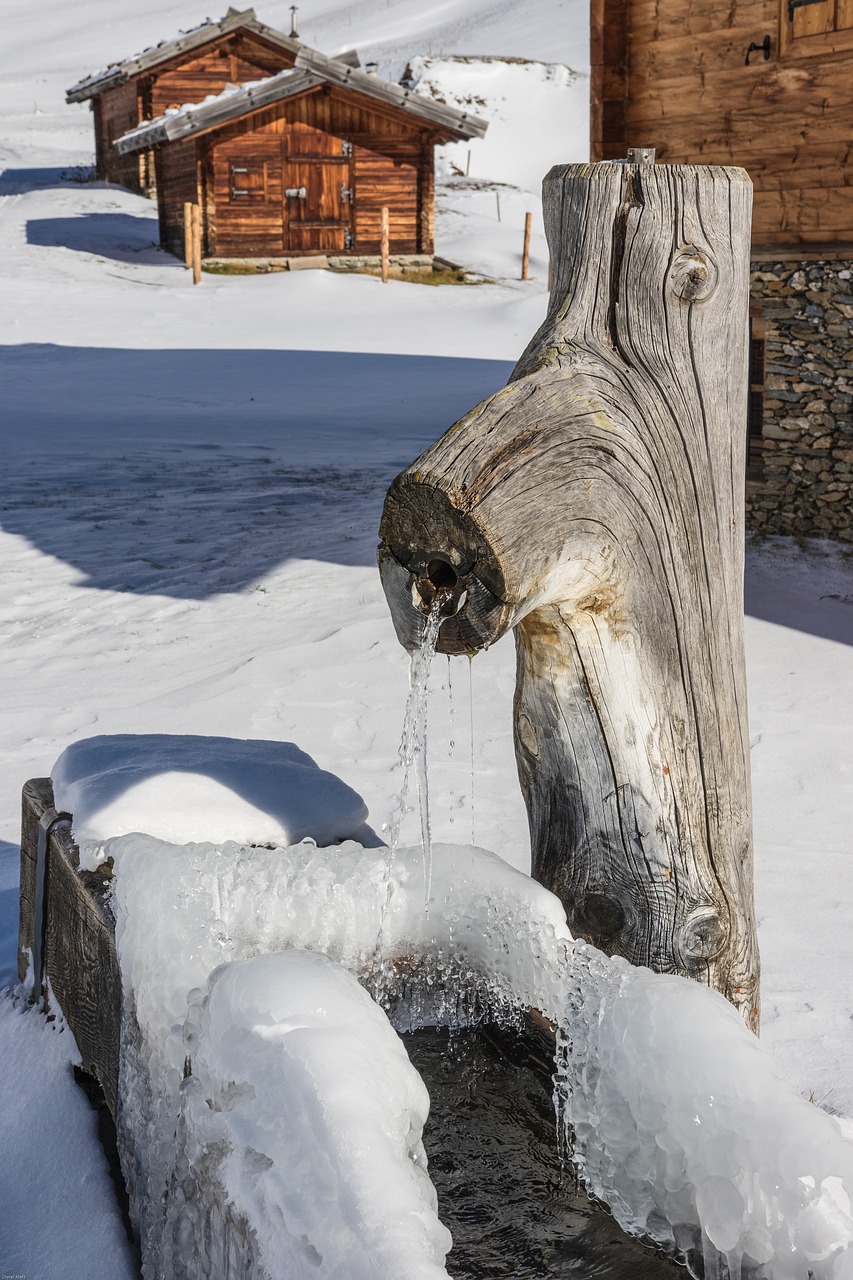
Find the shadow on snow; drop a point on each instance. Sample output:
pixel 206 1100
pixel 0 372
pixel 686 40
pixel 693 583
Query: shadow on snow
pixel 193 473
pixel 121 237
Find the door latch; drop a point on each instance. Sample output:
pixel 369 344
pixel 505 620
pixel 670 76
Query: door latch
pixel 296 193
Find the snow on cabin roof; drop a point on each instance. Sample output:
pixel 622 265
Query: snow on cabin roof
pixel 118 72
pixel 312 69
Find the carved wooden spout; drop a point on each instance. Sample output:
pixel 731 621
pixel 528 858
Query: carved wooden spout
pixel 595 504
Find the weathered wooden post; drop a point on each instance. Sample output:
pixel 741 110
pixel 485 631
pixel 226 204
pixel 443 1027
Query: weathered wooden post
pixel 188 235
pixel 196 231
pixel 595 504
pixel 525 252
pixel 385 241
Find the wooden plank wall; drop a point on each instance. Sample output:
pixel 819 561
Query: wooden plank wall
pixel 234 59
pixel 390 160
pixel 671 74
pixel 177 182
pixel 118 111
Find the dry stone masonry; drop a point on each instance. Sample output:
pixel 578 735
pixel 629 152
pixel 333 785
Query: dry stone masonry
pixel 805 482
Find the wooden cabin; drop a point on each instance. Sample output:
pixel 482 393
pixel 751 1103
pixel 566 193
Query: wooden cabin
pixel 768 85
pixel 188 68
pixel 302 164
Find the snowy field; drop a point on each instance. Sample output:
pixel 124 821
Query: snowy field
pixel 191 490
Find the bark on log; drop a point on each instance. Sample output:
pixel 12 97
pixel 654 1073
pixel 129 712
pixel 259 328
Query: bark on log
pixel 595 504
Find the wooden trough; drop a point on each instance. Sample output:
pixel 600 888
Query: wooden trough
pixel 81 974
pixel 77 945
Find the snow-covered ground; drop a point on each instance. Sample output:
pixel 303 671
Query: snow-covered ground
pixel 191 489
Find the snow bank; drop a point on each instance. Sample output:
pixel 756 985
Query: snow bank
pixel 304 1107
pixel 185 788
pixel 537 114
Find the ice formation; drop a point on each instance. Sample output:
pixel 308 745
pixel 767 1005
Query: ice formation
pixel 303 1108
pixel 686 1128
pixel 184 788
pixel 679 1120
pixel 181 911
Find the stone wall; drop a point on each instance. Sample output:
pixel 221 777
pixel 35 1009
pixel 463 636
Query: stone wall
pixel 803 482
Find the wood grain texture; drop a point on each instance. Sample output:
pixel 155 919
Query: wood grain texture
pixel 673 76
pixel 596 505
pixel 79 954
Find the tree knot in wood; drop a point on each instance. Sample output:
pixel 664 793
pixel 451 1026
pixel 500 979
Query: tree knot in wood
pixel 600 918
pixel 693 274
pixel 703 936
pixel 527 734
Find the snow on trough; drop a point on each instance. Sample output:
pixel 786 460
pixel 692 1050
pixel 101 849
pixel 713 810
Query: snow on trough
pixel 186 788
pixel 303 1103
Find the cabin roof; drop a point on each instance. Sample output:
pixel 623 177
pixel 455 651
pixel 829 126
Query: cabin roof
pixel 312 69
pixel 118 72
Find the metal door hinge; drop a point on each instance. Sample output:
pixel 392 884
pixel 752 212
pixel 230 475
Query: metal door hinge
pixel 346 148
pixel 349 239
pixel 346 193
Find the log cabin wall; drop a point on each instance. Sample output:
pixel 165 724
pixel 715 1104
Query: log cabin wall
pixel 673 74
pixel 232 59
pixel 177 182
pixel 116 111
pixel 358 159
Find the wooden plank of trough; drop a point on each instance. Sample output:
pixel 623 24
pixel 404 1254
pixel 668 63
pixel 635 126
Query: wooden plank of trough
pixel 79 949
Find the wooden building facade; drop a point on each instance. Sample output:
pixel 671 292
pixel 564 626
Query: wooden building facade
pixel 197 64
pixel 302 165
pixel 766 85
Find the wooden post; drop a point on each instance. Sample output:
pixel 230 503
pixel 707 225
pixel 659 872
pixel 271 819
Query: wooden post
pixel 196 238
pixel 596 505
pixel 188 235
pixel 525 253
pixel 385 242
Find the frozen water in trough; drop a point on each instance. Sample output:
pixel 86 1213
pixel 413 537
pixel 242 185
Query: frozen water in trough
pixel 674 1115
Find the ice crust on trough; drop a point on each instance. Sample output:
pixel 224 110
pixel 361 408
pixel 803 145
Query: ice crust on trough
pixel 303 1105
pixel 687 1129
pixel 184 788
pixel 679 1120
pixel 181 911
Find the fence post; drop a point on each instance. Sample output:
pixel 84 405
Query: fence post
pixel 385 242
pixel 188 235
pixel 196 238
pixel 525 253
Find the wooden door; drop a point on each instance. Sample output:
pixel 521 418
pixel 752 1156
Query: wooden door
pixel 317 191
